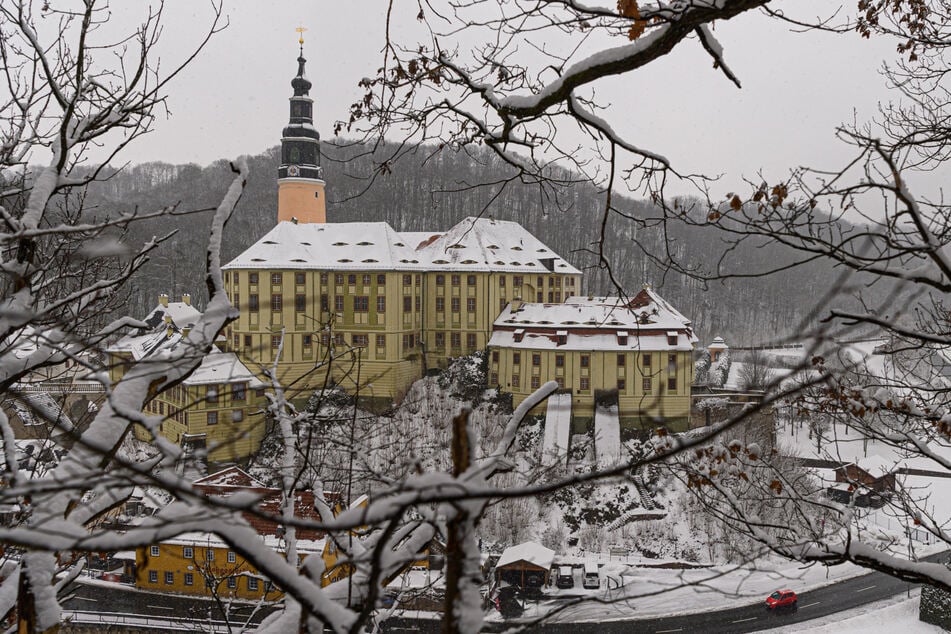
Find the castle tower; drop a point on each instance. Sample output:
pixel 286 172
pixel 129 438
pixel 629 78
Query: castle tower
pixel 300 186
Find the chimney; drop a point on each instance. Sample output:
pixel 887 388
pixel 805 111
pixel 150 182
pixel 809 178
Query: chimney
pixel 186 299
pixel 163 299
pixel 185 330
pixel 516 305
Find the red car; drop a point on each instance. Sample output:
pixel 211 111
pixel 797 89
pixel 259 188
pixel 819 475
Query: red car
pixel 782 599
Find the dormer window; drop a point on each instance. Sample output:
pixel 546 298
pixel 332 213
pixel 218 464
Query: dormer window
pixel 519 334
pixel 562 337
pixel 622 337
pixel 671 338
pixel 643 318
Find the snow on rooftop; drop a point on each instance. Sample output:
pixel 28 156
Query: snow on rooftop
pixel 475 244
pixel 211 540
pixel 222 367
pixel 531 552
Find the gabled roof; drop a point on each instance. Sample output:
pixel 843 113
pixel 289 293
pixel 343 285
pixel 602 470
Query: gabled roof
pixel 530 552
pixel 233 476
pixel 222 367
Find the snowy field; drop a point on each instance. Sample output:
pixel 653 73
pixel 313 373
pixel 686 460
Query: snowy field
pixel 899 614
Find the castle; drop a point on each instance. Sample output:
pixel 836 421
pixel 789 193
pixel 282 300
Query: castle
pixel 369 309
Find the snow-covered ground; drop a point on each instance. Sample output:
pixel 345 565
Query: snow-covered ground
pixel 899 614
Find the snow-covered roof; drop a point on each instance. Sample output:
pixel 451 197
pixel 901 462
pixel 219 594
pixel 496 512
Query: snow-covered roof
pixel 646 322
pixel 474 244
pixel 877 466
pixel 222 367
pixel 144 342
pixel 482 244
pixel 531 552
pixel 210 540
pixel 38 409
pixel 230 476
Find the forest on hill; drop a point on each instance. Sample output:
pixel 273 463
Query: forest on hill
pixel 432 189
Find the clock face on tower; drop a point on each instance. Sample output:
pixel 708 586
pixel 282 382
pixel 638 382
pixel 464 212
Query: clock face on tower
pixel 293 170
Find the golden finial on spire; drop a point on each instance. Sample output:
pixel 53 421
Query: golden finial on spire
pixel 301 30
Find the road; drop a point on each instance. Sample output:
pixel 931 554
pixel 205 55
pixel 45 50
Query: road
pixel 126 600
pixel 836 597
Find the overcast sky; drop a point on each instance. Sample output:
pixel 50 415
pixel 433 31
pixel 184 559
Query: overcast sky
pixel 796 87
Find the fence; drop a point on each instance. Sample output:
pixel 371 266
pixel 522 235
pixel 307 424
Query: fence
pixel 134 621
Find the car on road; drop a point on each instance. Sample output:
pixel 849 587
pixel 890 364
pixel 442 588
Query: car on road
pixel 782 599
pixel 592 581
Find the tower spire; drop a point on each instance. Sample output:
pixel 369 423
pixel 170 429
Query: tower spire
pixel 300 192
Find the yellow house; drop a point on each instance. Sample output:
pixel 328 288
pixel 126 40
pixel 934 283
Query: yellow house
pixel 204 565
pixel 219 408
pixel 635 353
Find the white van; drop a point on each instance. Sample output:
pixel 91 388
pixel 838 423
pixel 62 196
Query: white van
pixel 591 579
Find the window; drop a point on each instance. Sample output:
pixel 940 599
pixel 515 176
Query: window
pixel 277 279
pixel 367 279
pixel 169 578
pixel 153 576
pixel 471 341
pixel 456 279
pixel 323 279
pixel 211 418
pixel 418 278
pixel 440 280
pixel 557 282
pixel 381 341
pixel 647 361
pixel 381 304
pixel 252 301
pixel 211 394
pixel 571 281
pixel 324 302
pixel 539 297
pixel 252 584
pixel 646 383
pixel 621 385
pixel 440 340
pixel 409 341
pixel 502 281
pixel 338 339
pixel 541 282
pixel 536 382
pixel 275 341
pixel 231 557
pixel 407 280
pixel 154 551
pixel 495 356
pixel 237 415
pixel 247 341
pixel 237 340
pixel 381 279
pixel 252 278
pixel 361 341
pixel 559 360
pixel 237 300
pixel 621 360
pixel 232 583
pixel 560 380
pixel 516 358
pixel 502 303
pixel 237 392
pixel 470 304
pixel 419 303
pixel 585 361
pixel 277 302
pixel 407 304
pixel 517 280
pixel 300 302
pixel 585 384
pixel 455 304
pixel 558 297
pixel 536 360
pixel 338 303
pixel 551 297
pixel 516 380
pixel 361 304
pixel 455 340
pixel 338 278
pixel 188 552
pixel 471 280
pixel 298 278
pixel 189 579
pixel 672 363
pixel 440 304
pixel 493 378
pixel 324 339
pixel 308 341
pixel 210 554
pixel 352 279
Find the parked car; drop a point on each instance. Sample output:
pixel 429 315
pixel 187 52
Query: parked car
pixel 782 599
pixel 591 581
pixel 565 578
